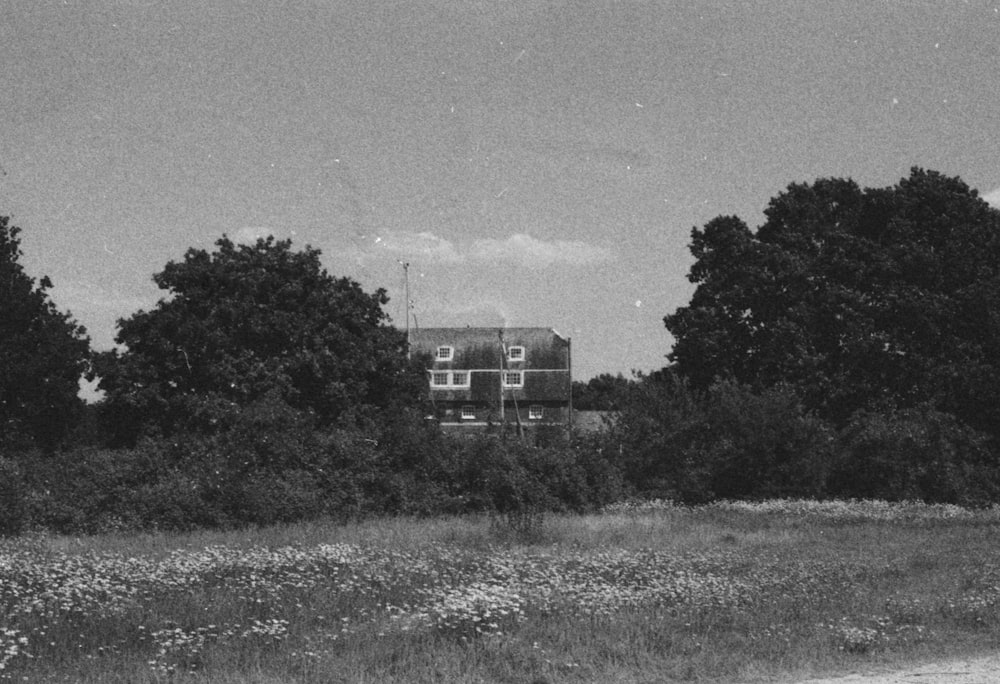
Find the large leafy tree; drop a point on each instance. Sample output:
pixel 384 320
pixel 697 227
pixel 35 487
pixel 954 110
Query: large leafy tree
pixel 247 324
pixel 43 355
pixel 859 298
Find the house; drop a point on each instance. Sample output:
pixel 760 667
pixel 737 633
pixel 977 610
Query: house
pixel 481 377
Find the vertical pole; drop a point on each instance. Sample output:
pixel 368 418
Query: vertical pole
pixel 503 419
pixel 569 372
pixel 406 286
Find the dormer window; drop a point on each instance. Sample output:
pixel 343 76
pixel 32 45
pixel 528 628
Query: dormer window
pixel 515 353
pixel 444 353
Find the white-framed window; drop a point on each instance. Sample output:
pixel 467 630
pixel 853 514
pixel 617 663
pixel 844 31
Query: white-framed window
pixel 513 379
pixel 450 379
pixel 444 353
pixel 468 412
pixel 515 353
pixel 536 412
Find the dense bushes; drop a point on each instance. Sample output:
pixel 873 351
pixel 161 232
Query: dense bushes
pixel 13 509
pixel 762 445
pixel 271 464
pixel 919 454
pixel 730 442
pixel 727 442
pixel 291 473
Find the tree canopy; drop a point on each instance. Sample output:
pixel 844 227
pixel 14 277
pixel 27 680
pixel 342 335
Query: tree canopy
pixel 43 355
pixel 604 392
pixel 858 298
pixel 248 323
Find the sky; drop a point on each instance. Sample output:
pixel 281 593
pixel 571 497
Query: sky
pixel 535 163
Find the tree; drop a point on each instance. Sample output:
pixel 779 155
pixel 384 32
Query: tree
pixel 43 355
pixel 604 392
pixel 727 441
pixel 859 299
pixel 253 323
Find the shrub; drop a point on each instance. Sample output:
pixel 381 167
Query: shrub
pixel 512 479
pixel 263 498
pixel 267 465
pixel 651 437
pixel 419 466
pixel 920 454
pixel 728 442
pixel 562 472
pixel 497 474
pixel 13 503
pixel 349 470
pixel 605 484
pixel 176 501
pixel 86 490
pixel 762 444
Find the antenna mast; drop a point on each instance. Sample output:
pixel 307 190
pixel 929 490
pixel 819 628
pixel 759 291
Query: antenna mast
pixel 503 417
pixel 406 288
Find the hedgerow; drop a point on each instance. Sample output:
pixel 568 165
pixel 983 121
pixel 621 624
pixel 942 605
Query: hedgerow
pixel 281 475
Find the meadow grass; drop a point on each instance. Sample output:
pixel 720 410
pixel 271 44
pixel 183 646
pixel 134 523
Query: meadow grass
pixel 655 592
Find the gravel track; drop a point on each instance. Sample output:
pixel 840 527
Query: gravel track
pixel 973 670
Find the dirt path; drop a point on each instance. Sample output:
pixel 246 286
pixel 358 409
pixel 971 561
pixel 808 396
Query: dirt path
pixel 977 670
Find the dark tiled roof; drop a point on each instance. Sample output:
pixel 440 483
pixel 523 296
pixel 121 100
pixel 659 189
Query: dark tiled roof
pixel 425 338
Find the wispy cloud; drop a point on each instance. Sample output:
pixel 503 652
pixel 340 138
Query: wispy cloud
pixel 523 250
pixel 424 245
pixel 519 249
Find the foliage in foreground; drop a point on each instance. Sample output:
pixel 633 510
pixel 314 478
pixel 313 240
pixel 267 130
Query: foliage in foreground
pixel 726 592
pixel 732 442
pixel 272 466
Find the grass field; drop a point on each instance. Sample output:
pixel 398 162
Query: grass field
pixel 729 592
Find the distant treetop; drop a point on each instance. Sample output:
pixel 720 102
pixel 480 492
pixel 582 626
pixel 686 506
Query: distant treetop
pixel 859 298
pixel 249 321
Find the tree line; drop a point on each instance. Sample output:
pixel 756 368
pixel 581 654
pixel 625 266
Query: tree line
pixel 848 346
